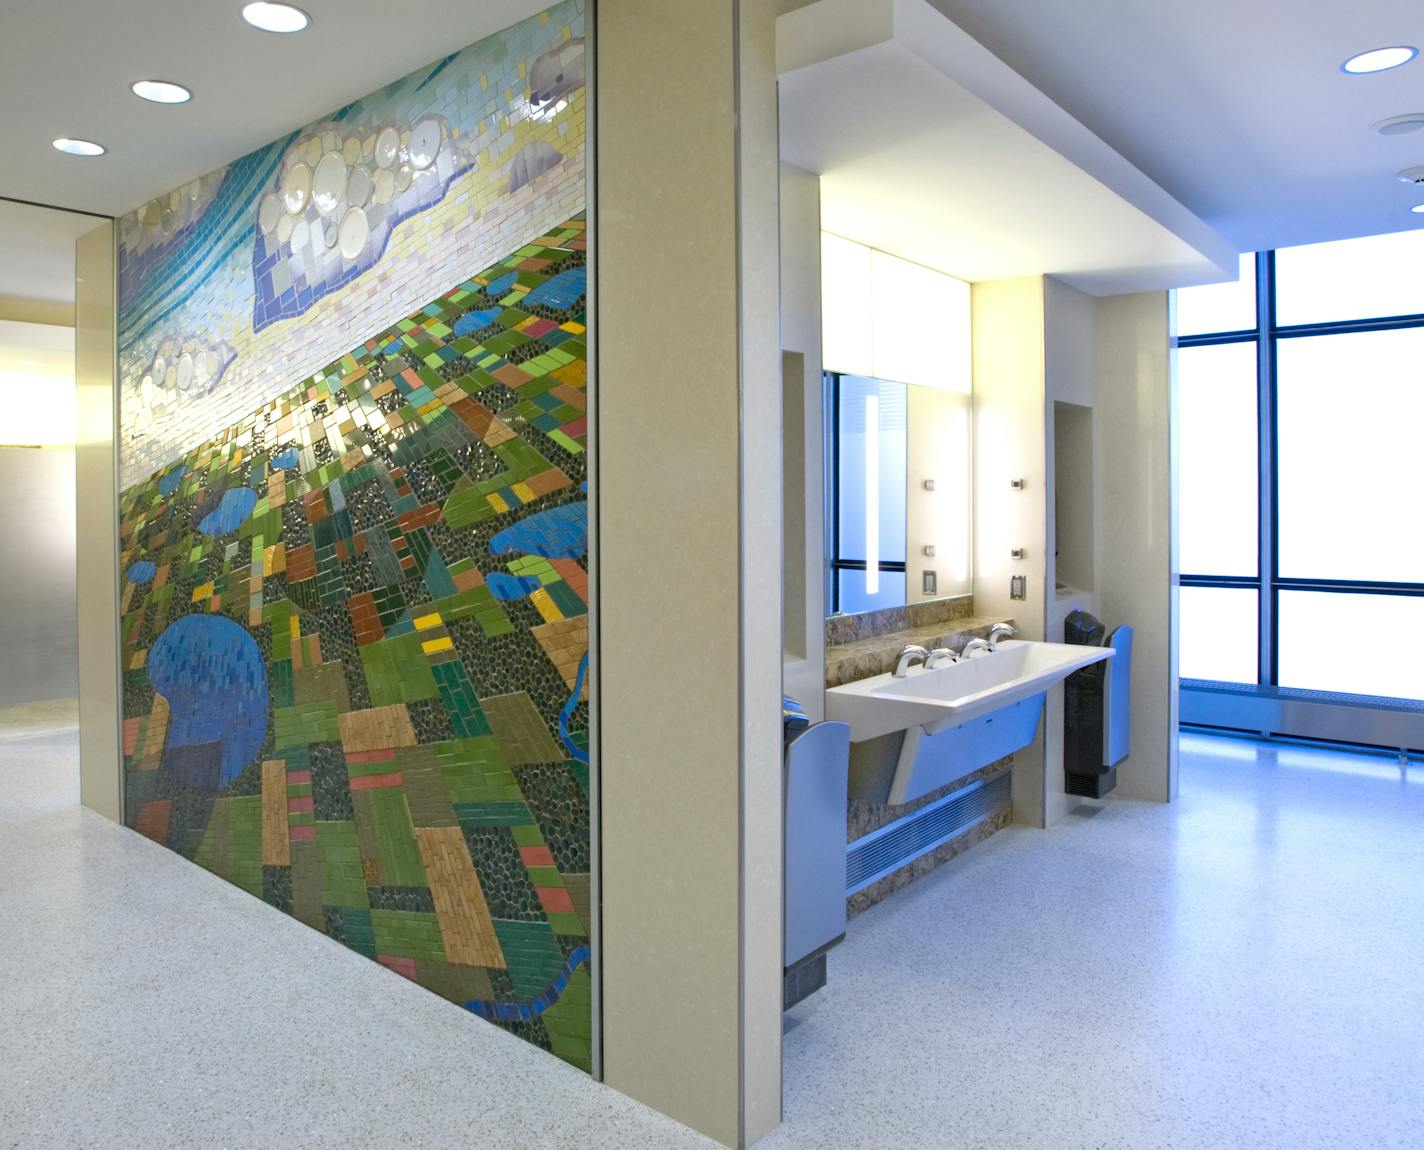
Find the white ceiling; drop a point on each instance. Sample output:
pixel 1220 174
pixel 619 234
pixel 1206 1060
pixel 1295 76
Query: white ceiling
pixel 1239 109
pixel 66 67
pixel 930 148
pixel 37 252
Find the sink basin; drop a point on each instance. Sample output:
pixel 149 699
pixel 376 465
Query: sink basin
pixel 949 696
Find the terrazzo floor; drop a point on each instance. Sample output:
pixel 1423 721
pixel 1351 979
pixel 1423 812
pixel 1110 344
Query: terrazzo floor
pixel 145 1003
pixel 1237 970
pixel 1240 969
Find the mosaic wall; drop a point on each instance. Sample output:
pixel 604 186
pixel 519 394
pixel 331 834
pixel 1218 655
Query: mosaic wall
pixel 268 268
pixel 355 599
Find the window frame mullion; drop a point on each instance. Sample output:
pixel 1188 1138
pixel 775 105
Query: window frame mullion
pixel 1266 492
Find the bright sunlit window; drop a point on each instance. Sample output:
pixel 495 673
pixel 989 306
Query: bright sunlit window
pixel 1331 487
pixel 1216 413
pixel 1369 278
pixel 1220 307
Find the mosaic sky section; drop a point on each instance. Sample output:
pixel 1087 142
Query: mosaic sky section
pixel 355 635
pixel 256 274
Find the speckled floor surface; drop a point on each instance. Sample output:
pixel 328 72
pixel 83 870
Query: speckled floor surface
pixel 1242 969
pixel 144 1003
pixel 1239 970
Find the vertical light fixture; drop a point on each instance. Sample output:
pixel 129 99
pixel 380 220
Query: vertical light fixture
pixel 872 494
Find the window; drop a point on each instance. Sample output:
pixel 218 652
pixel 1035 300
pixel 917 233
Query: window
pixel 1300 395
pixel 1216 425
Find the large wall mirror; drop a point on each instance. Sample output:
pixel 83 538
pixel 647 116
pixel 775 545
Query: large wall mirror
pixel 897 493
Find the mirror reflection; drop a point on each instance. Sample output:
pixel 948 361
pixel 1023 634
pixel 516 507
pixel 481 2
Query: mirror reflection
pixel 897 493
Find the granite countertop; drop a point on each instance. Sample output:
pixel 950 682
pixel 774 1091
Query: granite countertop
pixel 847 662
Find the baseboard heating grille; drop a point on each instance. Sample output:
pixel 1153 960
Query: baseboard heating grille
pixel 882 852
pixel 1329 716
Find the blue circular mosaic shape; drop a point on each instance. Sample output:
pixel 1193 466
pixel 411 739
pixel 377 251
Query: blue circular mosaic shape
pixel 211 673
pixel 231 513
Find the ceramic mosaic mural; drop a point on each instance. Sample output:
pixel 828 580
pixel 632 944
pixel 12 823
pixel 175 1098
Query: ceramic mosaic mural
pixel 355 637
pixel 268 268
pixel 354 589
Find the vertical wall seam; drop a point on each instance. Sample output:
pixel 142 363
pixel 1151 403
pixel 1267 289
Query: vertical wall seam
pixel 740 293
pixel 595 702
pixel 114 549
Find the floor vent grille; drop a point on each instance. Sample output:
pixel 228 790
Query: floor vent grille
pixel 882 852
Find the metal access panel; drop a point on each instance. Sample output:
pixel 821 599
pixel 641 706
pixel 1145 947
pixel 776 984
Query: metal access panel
pixel 817 770
pixel 1117 697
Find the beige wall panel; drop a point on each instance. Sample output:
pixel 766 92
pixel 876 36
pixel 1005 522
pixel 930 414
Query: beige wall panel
pixel 760 271
pixel 1010 443
pixel 96 520
pixel 669 557
pixel 1135 565
pixel 803 496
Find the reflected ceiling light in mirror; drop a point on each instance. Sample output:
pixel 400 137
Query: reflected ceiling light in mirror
pixel 160 92
pixel 72 147
pixel 1379 60
pixel 271 17
pixel 872 494
pixel 1418 209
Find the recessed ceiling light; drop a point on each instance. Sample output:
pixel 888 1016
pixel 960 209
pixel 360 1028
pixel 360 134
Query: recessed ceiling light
pixel 1379 60
pixel 1418 209
pixel 79 147
pixel 161 92
pixel 272 17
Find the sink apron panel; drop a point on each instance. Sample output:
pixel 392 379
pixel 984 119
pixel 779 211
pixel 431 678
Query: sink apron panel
pixel 927 762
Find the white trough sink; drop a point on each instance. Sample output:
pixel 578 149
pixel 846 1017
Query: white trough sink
pixel 949 696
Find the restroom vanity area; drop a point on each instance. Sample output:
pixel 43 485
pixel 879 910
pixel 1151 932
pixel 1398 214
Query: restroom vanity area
pixel 976 429
pixel 1019 464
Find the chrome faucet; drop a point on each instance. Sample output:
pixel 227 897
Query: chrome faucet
pixel 972 646
pixel 939 657
pixel 911 654
pixel 1000 631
